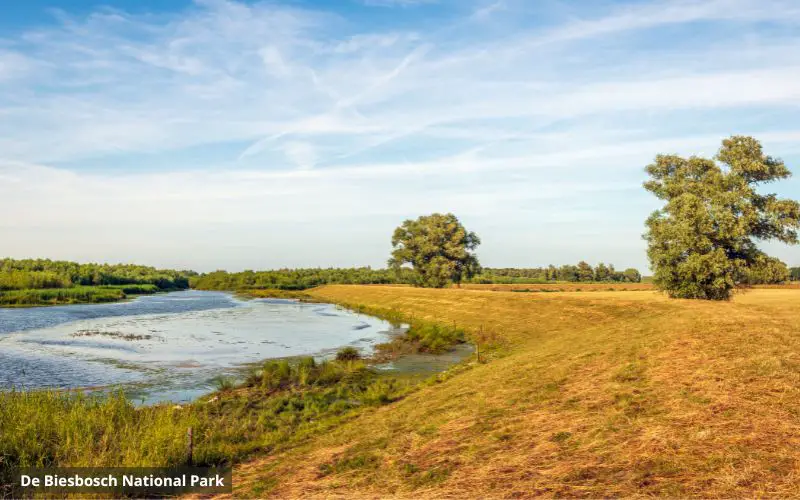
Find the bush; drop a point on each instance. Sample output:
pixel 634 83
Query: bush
pixel 348 354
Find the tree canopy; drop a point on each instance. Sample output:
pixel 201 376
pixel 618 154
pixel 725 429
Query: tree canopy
pixel 44 273
pixel 701 243
pixel 438 247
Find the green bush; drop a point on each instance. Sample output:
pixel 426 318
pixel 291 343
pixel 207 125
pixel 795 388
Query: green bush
pixel 348 354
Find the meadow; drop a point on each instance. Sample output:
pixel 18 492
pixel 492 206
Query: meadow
pixel 586 393
pixel 579 394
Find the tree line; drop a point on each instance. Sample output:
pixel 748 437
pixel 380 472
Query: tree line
pixel 300 279
pixel 582 272
pixel 28 274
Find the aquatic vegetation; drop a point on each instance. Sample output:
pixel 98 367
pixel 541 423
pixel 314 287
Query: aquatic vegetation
pixel 116 335
pixel 53 296
pixel 282 403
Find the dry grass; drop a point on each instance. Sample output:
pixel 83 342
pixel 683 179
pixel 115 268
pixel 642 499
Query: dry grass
pixel 598 394
pixel 561 287
pixel 793 285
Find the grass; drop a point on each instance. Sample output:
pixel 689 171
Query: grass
pixel 73 295
pixel 587 394
pixel 592 394
pixel 281 403
pixel 278 404
pixel 273 293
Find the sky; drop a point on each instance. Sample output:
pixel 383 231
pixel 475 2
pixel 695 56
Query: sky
pixel 214 134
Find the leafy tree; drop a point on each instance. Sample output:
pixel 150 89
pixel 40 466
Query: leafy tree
pixel 438 247
pixel 794 274
pixel 700 244
pixel 603 272
pixel 585 272
pixel 766 270
pixel 632 275
pixel 567 273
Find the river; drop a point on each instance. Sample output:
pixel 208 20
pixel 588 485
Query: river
pixel 168 347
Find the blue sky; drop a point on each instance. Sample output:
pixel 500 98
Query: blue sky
pixel 222 134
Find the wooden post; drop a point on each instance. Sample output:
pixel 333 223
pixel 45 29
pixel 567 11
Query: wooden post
pixel 189 446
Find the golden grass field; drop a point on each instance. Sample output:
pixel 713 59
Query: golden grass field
pixel 591 394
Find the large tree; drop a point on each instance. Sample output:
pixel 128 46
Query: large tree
pixel 438 247
pixel 767 270
pixel 701 243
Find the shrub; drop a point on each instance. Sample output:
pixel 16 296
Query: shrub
pixel 348 354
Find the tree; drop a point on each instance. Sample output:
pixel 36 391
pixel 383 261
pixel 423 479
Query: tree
pixel 632 275
pixel 766 270
pixel 567 273
pixel 603 272
pixel 585 272
pixel 794 274
pixel 438 247
pixel 700 244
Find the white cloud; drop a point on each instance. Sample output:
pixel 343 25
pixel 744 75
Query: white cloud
pixel 260 115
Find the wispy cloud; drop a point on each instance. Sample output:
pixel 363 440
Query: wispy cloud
pixel 228 113
pixel 396 3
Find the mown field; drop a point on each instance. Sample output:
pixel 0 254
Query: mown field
pixel 584 394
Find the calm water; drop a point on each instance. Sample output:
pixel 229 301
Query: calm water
pixel 171 346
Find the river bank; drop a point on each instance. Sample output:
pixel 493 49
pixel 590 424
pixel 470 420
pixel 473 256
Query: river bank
pixel 76 295
pixel 277 404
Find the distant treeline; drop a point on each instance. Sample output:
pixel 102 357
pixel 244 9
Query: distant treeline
pixel 794 273
pixel 582 272
pixel 49 274
pixel 300 279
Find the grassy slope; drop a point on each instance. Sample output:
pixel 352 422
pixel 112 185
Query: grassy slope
pixel 598 394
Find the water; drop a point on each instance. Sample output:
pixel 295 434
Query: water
pixel 168 347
